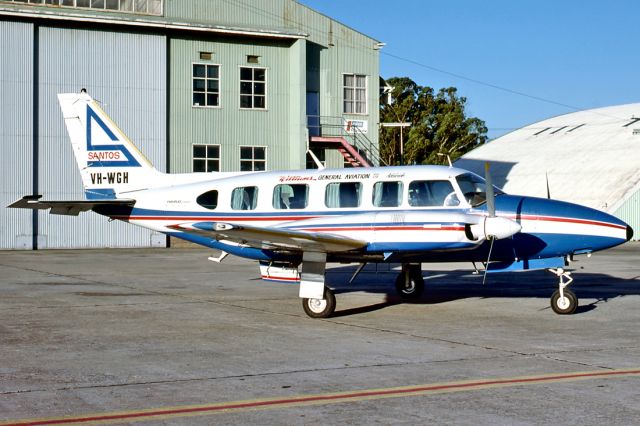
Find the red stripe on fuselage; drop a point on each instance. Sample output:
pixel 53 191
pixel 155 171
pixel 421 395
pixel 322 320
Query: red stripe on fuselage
pixel 566 220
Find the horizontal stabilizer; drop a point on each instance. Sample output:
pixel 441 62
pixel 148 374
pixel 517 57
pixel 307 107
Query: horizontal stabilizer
pixel 70 208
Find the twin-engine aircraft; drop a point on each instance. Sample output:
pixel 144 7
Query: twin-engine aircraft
pixel 294 222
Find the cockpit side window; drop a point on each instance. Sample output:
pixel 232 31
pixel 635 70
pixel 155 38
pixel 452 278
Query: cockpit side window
pixel 474 188
pixel 208 200
pixel 424 193
pixel 286 196
pixel 244 198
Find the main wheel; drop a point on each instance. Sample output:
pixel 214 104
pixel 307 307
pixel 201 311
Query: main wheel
pixel 564 305
pixel 410 284
pixel 319 308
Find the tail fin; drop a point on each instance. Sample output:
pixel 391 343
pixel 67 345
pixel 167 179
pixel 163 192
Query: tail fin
pixel 109 162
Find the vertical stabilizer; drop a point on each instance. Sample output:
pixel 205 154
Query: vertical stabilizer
pixel 110 164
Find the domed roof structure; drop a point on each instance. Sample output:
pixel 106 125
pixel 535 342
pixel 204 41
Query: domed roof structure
pixel 589 157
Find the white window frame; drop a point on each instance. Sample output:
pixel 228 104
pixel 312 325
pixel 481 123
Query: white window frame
pixel 353 89
pixel 206 158
pixel 73 4
pixel 253 160
pixel 205 85
pixel 266 88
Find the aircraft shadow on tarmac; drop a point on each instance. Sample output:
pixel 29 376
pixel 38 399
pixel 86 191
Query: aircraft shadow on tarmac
pixel 446 286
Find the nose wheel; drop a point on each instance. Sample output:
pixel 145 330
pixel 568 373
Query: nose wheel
pixel 563 300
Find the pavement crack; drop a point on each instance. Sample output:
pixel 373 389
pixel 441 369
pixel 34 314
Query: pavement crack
pixel 244 376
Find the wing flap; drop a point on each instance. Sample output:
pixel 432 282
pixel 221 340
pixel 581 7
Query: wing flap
pixel 272 237
pixel 69 208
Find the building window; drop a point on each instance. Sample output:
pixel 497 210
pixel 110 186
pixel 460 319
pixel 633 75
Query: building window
pixel 206 158
pixel 355 94
pixel 287 196
pixel 206 85
pixel 253 88
pixel 143 7
pixel 253 158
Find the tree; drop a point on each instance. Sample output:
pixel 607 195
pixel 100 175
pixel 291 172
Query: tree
pixel 439 124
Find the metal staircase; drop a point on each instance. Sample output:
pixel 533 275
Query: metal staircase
pixel 331 133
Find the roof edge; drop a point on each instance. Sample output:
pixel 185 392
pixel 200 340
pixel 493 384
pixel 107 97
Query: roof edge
pixel 150 23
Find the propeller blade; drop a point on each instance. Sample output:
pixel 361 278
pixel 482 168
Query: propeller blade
pixel 491 198
pixel 486 266
pixel 546 175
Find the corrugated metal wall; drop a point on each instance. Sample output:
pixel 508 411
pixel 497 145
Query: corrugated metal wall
pixel 16 132
pixel 127 73
pixel 629 211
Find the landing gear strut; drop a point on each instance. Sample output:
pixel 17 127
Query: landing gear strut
pixel 320 308
pixel 563 300
pixel 410 283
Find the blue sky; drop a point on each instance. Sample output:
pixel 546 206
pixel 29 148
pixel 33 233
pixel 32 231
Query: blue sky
pixel 582 54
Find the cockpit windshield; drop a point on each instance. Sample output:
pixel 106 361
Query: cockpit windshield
pixel 474 189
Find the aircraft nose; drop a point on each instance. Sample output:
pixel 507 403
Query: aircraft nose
pixel 629 233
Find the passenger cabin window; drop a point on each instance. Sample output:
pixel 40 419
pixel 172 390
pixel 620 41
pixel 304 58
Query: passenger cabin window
pixel 387 194
pixel 244 198
pixel 208 200
pixel 287 196
pixel 343 194
pixel 424 193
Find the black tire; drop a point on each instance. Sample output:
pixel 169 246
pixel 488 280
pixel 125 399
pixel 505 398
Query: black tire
pixel 410 284
pixel 566 306
pixel 318 308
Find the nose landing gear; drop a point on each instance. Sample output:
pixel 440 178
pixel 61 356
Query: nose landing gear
pixel 563 300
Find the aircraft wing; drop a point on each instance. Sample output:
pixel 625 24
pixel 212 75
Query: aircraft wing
pixel 70 208
pixel 271 237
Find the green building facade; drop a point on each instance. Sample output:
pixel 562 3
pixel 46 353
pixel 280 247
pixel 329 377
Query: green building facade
pixel 305 59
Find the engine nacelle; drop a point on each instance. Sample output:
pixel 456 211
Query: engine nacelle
pixel 495 227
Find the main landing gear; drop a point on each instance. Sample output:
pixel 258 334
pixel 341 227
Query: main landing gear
pixel 563 300
pixel 410 284
pixel 320 308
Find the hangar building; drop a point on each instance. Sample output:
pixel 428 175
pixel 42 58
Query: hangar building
pixel 589 157
pixel 198 85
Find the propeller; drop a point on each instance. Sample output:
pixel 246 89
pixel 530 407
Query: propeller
pixel 491 208
pixel 492 226
pixel 495 227
pixel 491 198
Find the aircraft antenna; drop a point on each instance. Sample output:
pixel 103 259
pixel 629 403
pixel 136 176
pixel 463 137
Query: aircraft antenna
pixel 448 158
pixel 316 160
